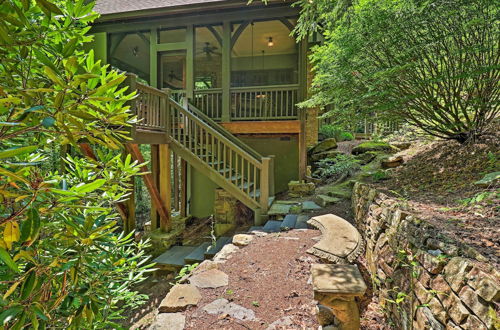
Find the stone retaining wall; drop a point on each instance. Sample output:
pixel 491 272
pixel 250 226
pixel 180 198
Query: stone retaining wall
pixel 424 279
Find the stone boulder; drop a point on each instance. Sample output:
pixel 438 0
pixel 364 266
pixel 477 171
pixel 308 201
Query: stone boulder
pixel 392 162
pixel 366 158
pixel 299 189
pixel 325 154
pixel 373 146
pixel 325 145
pixel 401 145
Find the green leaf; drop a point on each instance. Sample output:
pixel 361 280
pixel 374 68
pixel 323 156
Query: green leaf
pixel 13 176
pixel 31 227
pixel 48 122
pixel 5 257
pixel 49 6
pixel 70 47
pixel 89 187
pixel 28 285
pixel 16 151
pixel 10 314
pixel 53 76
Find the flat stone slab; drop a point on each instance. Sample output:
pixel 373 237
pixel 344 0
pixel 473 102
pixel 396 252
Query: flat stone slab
pixel 242 239
pixel 325 200
pixel 169 321
pixel 341 280
pixel 198 255
pixel 340 241
pixel 280 209
pixel 302 222
pixel 310 206
pixel 289 222
pixel 209 279
pixel 272 226
pixel 223 306
pixel 219 244
pixel 174 257
pixel 179 298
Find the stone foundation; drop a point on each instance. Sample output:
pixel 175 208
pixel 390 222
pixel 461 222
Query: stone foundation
pixel 424 279
pixel 162 241
pixel 225 212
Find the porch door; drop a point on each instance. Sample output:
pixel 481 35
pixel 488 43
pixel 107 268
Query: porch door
pixel 173 72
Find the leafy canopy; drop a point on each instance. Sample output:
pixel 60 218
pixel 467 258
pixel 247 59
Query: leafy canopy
pixel 434 64
pixel 63 263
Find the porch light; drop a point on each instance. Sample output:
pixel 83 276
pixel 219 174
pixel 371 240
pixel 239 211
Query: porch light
pixel 270 42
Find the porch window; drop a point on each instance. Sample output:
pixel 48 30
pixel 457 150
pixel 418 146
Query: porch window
pixel 264 54
pixel 130 52
pixel 208 57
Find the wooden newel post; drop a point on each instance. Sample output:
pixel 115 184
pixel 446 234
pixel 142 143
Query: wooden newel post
pixel 131 82
pixel 166 112
pixel 271 176
pixel 265 184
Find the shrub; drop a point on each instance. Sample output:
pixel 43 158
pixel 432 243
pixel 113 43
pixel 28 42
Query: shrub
pixel 336 132
pixel 433 64
pixel 336 168
pixel 63 262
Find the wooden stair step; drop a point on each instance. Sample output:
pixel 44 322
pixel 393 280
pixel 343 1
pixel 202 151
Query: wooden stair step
pixel 272 226
pixel 198 254
pixel 289 222
pixel 219 244
pixel 174 257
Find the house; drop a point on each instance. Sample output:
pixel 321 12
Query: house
pixel 218 83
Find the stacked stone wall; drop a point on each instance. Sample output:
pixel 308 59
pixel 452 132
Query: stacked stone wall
pixel 424 279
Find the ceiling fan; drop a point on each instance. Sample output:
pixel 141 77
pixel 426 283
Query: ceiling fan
pixel 209 50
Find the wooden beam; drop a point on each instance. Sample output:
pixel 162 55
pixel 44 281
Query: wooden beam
pixel 153 58
pixel 287 23
pixel 216 34
pixel 190 48
pixel 155 160
pixel 184 188
pixel 143 37
pixel 159 204
pixel 238 32
pixel 263 127
pixel 165 180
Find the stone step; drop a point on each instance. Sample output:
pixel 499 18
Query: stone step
pixel 289 222
pixel 256 228
pixel 174 257
pixel 301 222
pixel 198 255
pixel 219 244
pixel 272 226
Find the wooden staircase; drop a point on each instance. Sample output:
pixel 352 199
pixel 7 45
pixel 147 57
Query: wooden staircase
pixel 205 145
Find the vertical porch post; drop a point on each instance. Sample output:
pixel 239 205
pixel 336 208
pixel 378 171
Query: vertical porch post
pixel 155 218
pixel 153 57
pixel 165 179
pixel 190 62
pixel 302 112
pixel 226 71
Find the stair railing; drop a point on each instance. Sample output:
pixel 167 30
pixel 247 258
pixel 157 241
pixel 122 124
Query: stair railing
pixel 241 167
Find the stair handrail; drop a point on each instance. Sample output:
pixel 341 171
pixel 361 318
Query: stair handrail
pixel 224 131
pixel 256 161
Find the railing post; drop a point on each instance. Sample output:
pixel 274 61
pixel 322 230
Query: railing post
pixel 166 112
pixel 264 184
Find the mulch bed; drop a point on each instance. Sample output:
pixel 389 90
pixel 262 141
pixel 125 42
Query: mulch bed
pixel 271 276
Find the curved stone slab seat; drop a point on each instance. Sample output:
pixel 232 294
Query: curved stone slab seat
pixel 336 286
pixel 340 242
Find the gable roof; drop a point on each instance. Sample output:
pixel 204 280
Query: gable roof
pixel 107 7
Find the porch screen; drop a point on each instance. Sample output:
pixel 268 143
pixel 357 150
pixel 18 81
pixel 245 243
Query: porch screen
pixel 130 52
pixel 264 54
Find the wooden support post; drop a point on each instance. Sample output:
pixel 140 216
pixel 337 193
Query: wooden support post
pixel 264 184
pixel 226 72
pixel 183 209
pixel 156 199
pixel 155 221
pixel 190 62
pixel 302 112
pixel 272 165
pixel 165 180
pixel 176 182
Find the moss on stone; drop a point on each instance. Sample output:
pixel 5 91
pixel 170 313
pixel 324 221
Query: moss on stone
pixel 372 146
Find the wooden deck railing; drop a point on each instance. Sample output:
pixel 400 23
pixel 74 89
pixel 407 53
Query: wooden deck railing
pixel 264 103
pixel 151 108
pixel 209 101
